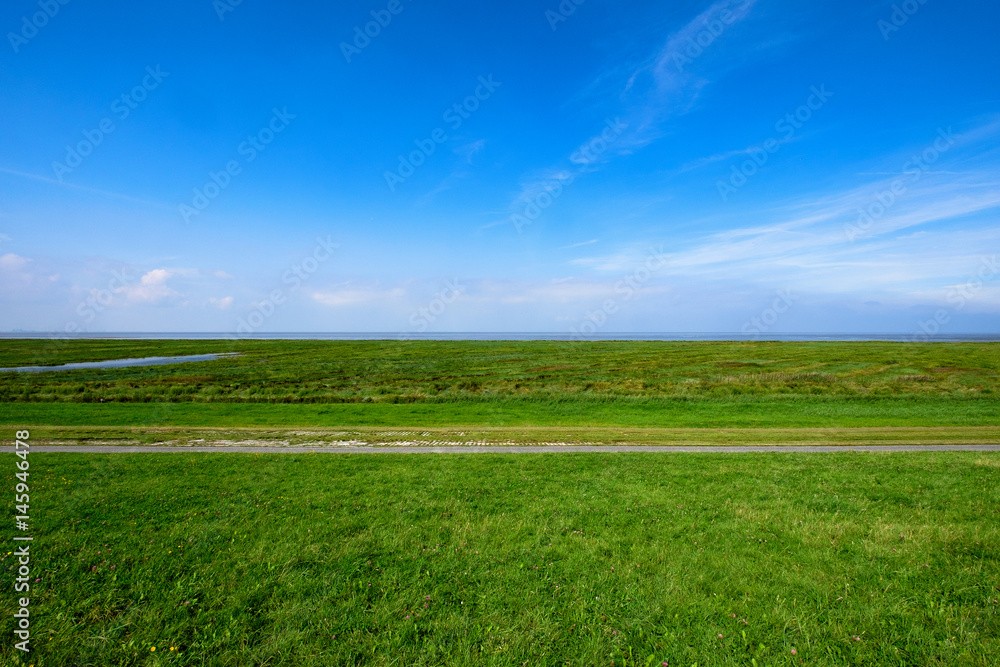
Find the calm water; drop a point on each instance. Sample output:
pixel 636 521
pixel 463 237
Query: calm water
pixel 120 363
pixel 692 336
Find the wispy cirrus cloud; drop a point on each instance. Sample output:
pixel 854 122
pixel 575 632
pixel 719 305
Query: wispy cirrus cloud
pixel 931 234
pixel 469 150
pixel 579 245
pixel 665 84
pixel 938 233
pixel 82 188
pixel 458 173
pixel 669 82
pixel 728 155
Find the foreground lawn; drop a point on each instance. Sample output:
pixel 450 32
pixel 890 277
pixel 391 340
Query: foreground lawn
pixel 512 560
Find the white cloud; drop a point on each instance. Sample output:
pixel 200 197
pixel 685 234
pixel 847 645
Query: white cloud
pixel 357 296
pixel 224 303
pixel 152 288
pixel 12 262
pixel 558 291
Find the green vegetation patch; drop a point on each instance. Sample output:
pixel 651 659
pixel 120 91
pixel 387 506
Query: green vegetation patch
pixel 487 371
pixel 506 384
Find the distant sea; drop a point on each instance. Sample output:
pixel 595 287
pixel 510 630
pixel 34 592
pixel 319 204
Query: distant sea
pixel 520 336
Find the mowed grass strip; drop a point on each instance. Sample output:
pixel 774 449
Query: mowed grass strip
pixel 327 437
pixel 579 411
pixel 501 560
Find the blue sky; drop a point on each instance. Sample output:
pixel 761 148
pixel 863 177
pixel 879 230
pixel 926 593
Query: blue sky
pixel 752 166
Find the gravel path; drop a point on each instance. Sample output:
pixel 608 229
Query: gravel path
pixel 525 449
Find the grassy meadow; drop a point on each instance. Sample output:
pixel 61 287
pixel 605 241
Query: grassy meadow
pixel 507 384
pixel 611 559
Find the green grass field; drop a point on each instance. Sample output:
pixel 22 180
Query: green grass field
pixel 624 559
pixel 446 371
pixel 500 384
pixel 517 559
